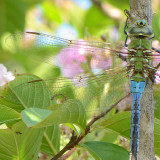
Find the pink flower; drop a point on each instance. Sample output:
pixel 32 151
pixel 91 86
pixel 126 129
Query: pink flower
pixel 5 76
pixel 157 77
pixel 70 61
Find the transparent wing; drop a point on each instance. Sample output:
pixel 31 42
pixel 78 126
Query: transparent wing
pixel 64 53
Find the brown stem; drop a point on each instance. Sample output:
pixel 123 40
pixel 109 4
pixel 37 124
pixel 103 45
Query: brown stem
pixel 75 140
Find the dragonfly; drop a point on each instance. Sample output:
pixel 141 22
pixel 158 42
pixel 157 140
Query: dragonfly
pixel 97 67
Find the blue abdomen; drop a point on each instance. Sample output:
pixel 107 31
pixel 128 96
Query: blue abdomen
pixel 137 88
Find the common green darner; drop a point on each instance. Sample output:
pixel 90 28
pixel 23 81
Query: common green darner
pixel 95 67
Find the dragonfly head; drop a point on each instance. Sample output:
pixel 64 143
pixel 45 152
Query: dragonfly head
pixel 140 29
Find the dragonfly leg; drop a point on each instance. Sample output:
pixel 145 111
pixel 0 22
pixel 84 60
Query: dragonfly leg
pixel 153 48
pixel 158 65
pixel 123 58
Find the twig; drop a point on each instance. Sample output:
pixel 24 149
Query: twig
pixel 75 140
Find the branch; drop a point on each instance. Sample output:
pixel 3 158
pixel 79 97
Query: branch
pixel 75 140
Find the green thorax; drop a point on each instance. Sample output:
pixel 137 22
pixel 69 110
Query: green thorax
pixel 138 58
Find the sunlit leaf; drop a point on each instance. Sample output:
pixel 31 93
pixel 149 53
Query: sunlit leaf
pixel 33 116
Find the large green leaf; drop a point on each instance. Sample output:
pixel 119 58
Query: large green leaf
pixel 20 142
pixel 28 95
pixel 71 111
pixel 103 150
pixel 51 140
pixel 7 114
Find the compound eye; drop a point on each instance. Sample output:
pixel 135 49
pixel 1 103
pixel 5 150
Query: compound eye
pixel 141 23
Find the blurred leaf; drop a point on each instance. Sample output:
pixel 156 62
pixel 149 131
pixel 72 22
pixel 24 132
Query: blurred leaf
pixel 103 150
pixel 12 16
pixel 51 12
pixel 20 142
pixel 71 111
pixel 95 20
pixel 156 26
pixel 51 140
pixel 124 4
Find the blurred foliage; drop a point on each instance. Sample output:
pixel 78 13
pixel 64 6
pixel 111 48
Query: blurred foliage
pixel 12 16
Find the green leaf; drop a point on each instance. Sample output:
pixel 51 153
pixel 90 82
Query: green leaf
pixel 103 150
pixel 7 114
pixel 71 111
pixel 28 95
pixel 51 140
pixel 20 142
pixel 119 123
